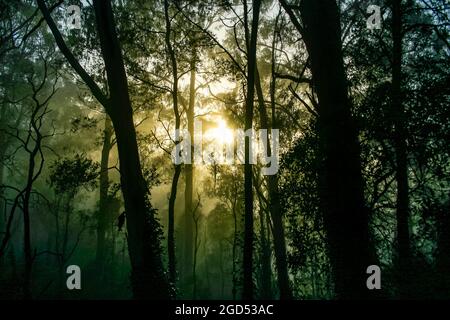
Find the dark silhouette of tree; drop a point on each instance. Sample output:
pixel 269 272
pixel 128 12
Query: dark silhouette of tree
pixel 341 184
pixel 32 144
pixel 248 285
pixel 401 169
pixel 177 167
pixel 104 217
pixel 188 245
pixel 274 196
pixel 148 279
pixel 363 125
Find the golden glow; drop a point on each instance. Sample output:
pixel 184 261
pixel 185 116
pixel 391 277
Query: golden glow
pixel 221 134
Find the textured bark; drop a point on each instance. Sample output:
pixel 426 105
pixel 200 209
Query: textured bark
pixel 341 184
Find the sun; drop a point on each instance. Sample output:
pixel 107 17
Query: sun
pixel 221 134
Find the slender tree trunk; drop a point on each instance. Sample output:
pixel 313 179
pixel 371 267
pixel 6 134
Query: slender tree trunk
pixel 206 261
pixel 234 251
pixel 148 280
pixel 27 228
pixel 104 216
pixel 274 204
pixel 113 255
pixel 266 288
pixel 31 178
pixel 248 286
pixel 177 168
pixel 401 173
pixel 341 183
pixel 171 228
pixel 222 271
pixel 67 214
pixel 57 227
pixel 194 264
pixel 188 249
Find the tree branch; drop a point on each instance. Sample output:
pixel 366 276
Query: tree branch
pixel 95 89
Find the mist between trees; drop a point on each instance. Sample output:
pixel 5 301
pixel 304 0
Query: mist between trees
pixel 105 171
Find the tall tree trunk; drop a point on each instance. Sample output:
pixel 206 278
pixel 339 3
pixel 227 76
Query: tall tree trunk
pixel 248 286
pixel 144 243
pixel 443 249
pixel 188 249
pixel 402 206
pixel 234 250
pixel 222 271
pixel 194 263
pixel 26 225
pixel 177 168
pixel 341 183
pixel 148 280
pixel 274 204
pixel 171 227
pixel 31 178
pixel 266 268
pixel 104 214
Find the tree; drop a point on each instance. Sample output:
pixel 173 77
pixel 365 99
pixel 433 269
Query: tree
pixel 103 214
pixel 177 167
pixel 341 184
pixel 148 279
pixel 67 176
pixel 401 168
pixel 272 180
pixel 248 289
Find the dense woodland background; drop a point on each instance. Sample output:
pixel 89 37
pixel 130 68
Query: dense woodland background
pixel 87 120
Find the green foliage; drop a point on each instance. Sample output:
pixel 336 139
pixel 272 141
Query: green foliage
pixel 70 174
pixel 66 203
